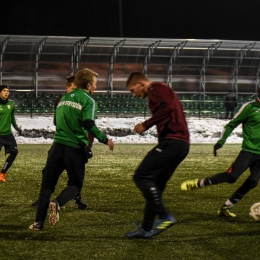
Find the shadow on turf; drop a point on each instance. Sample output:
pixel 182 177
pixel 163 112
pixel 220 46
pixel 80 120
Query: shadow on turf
pixel 168 235
pixel 193 217
pixel 48 236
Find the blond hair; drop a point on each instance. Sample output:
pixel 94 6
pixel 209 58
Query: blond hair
pixel 84 77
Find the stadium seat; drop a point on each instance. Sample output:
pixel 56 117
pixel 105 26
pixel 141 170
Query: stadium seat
pixel 249 98
pixel 208 97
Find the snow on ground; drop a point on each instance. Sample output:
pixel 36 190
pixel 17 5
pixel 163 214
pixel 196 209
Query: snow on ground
pixel 204 130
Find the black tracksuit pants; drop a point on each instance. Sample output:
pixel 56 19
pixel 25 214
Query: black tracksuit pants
pixel 10 145
pixel 153 174
pixel 61 157
pixel 243 161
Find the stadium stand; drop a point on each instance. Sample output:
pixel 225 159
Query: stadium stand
pixel 121 105
pixel 200 71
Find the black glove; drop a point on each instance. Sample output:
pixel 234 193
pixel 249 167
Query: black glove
pixel 216 147
pixel 88 152
pixel 19 130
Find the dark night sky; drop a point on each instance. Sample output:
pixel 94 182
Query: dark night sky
pixel 177 19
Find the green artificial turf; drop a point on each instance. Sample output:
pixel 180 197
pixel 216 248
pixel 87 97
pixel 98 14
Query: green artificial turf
pixel 114 203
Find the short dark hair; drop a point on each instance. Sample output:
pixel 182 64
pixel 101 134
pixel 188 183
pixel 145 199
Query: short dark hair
pixel 70 80
pixel 134 77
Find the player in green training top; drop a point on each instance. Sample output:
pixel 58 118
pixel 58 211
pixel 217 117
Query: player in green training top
pixel 70 86
pixel 249 156
pixel 6 137
pixel 74 116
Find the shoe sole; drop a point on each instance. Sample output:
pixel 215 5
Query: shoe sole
pixel 2 178
pixel 151 237
pixel 34 229
pixel 137 236
pixel 54 214
pixel 222 214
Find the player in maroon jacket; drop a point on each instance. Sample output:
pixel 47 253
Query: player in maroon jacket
pixel 160 163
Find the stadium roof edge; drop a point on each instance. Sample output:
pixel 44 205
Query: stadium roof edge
pixel 136 42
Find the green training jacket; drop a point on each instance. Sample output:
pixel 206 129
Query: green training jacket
pixel 7 117
pixel 249 116
pixel 73 109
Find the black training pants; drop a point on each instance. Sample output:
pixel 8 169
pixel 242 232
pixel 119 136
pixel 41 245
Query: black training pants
pixel 61 157
pixel 243 161
pixel 10 145
pixel 153 174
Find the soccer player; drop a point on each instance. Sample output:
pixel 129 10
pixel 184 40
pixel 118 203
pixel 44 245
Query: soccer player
pixel 160 163
pixel 249 157
pixel 70 85
pixel 75 114
pixel 7 139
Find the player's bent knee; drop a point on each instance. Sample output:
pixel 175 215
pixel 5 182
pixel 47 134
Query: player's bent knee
pixel 230 179
pixel 252 183
pixel 137 178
